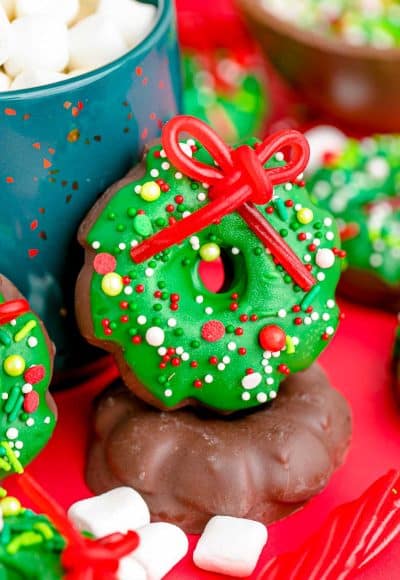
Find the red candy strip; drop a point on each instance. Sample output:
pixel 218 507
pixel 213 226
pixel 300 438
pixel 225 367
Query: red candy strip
pixel 352 535
pixel 238 181
pixel 83 558
pixel 12 309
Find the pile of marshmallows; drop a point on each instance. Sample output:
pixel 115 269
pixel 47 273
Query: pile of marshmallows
pixel 227 546
pixel 46 41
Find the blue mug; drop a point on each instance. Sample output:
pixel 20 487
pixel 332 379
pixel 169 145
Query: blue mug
pixel 61 146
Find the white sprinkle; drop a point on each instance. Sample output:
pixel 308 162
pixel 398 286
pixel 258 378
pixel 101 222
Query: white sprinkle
pixel 327 222
pixel 325 258
pixel 208 310
pixel 268 369
pixel 298 206
pixel 19 444
pixel 12 433
pixel 272 394
pixel 178 175
pixel 246 396
pixel 149 272
pixel 376 260
pixel 186 149
pixel 315 316
pixel 378 168
pixel 295 340
pixel 155 336
pixel 32 341
pixel 141 319
pixel 128 290
pixel 267 354
pixel 185 356
pixel 154 173
pixel 199 299
pixel 325 316
pixel 134 243
pixel 168 393
pixel 208 379
pixel 96 245
pixel 162 351
pixel 317 242
pixel 235 251
pixel 330 236
pixel 226 359
pixel 279 156
pixel 17 454
pixel 276 354
pixel 270 381
pixel 138 188
pixel 26 388
pixel 261 397
pixel 307 320
pixel 191 142
pixel 30 422
pixel 165 165
pixel 251 381
pixel 163 154
pixel 330 330
pixel 282 313
pixel 4 396
pixel 13 322
pixel 221 366
pixel 320 276
pixel 179 350
pixel 186 214
pixel 307 258
pixel 308 235
pixel 201 196
pixel 231 346
pixel 122 246
pixel 288 187
pixel 330 303
pixel 46 420
pixel 171 322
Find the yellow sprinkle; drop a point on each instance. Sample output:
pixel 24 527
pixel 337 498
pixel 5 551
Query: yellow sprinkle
pixel 44 529
pixel 112 284
pixel 3 492
pixel 25 330
pixel 305 215
pixel 15 464
pixel 24 539
pixel 14 365
pixel 210 252
pixel 4 465
pixel 150 191
pixel 290 348
pixel 10 506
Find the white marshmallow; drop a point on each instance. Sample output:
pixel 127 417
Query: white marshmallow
pixel 66 10
pixel 161 547
pixel 323 139
pixel 129 569
pixel 86 8
pixel 95 41
pixel 9 7
pixel 5 82
pixel 37 42
pixel 5 36
pixel 118 510
pixel 230 546
pixel 35 78
pixel 133 19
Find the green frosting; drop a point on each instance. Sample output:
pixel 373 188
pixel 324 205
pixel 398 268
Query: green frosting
pixel 361 188
pixel 178 338
pixel 26 421
pixel 226 94
pixel 30 548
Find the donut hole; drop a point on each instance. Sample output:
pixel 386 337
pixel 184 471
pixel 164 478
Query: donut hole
pixel 217 276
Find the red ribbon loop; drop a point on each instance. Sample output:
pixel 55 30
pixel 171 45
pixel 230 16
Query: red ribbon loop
pixel 237 181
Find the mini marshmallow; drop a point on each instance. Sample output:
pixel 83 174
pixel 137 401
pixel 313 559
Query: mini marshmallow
pixel 95 41
pixel 5 82
pixel 129 569
pixel 66 10
pixel 133 19
pixel 118 510
pixel 5 36
pixel 230 546
pixel 323 139
pixel 9 7
pixel 35 78
pixel 160 548
pixel 37 42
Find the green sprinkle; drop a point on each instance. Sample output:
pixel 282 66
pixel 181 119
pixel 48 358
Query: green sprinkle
pixel 120 228
pixel 283 233
pixel 131 212
pixel 14 394
pixel 25 330
pixel 142 225
pixel 44 529
pixel 185 262
pixel 15 464
pixel 160 222
pixel 162 379
pixel 178 331
pixel 161 285
pixel 16 409
pixel 194 185
pixel 111 216
pixel 132 331
pixel 25 539
pixel 152 264
pixel 4 465
pixel 212 238
pixel 195 344
pixel 230 328
pixel 157 321
pixel 308 298
pixel 157 307
pixel 257 251
pixel 113 325
pixel 281 209
pixel 5 338
pixel 290 348
pixel 317 225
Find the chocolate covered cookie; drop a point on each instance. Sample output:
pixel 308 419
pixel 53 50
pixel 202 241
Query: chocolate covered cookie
pixel 191 464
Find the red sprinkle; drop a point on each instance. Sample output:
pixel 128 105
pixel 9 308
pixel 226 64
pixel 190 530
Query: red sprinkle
pixel 272 338
pixel 242 350
pixel 239 331
pixel 104 263
pixel 212 330
pixel 136 339
pixel 139 288
pixel 302 237
pixel 197 383
pixel 213 360
pixel 34 374
pixel 296 308
pixel 234 306
pixel 298 321
pixel 31 402
pixel 243 318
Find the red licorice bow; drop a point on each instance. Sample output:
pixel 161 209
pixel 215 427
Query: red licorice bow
pixel 12 309
pixel 351 536
pixel 237 182
pixel 83 558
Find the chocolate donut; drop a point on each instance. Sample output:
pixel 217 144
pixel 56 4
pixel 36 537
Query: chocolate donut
pixel 191 464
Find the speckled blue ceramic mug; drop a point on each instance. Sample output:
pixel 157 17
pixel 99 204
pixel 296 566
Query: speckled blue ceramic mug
pixel 61 146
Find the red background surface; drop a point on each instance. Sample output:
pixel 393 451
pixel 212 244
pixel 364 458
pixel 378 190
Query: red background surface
pixel 358 363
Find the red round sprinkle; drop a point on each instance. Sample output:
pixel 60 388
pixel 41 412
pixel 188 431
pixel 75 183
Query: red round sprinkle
pixel 164 187
pixel 213 360
pixel 302 237
pixel 197 383
pixel 212 330
pixel 239 331
pixel 234 306
pixel 170 208
pixel 298 321
pixel 249 371
pixel 289 203
pixel 174 306
pixel 179 198
pixel 124 318
pixel 309 309
pixel 170 350
pixel 243 318
pixel 139 288
pixel 175 362
pixel 194 364
pixel 253 317
pixel 104 263
pixel 282 368
pixel 270 209
pixel 162 365
pixel 166 358
pixel 34 374
pixel 107 331
pixel 235 296
pixel 175 297
pixel 136 339
pixel 126 280
pixel 312 247
pixel 31 402
pixel 242 350
pixel 296 308
pixel 325 336
pixel 272 338
pixel 124 305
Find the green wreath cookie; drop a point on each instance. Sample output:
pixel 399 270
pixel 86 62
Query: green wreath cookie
pixel 360 185
pixel 175 341
pixel 27 416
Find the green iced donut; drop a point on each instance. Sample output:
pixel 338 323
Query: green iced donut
pixel 177 342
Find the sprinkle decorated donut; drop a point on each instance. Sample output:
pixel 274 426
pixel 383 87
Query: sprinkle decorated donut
pixel 28 412
pixel 140 294
pixel 360 184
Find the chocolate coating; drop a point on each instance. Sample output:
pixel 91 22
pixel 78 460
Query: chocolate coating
pixel 191 464
pixel 366 288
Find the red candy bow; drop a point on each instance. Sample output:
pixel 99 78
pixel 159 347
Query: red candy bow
pixel 83 558
pixel 238 181
pixel 12 309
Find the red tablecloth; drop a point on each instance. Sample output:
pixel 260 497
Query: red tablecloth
pixel 358 364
